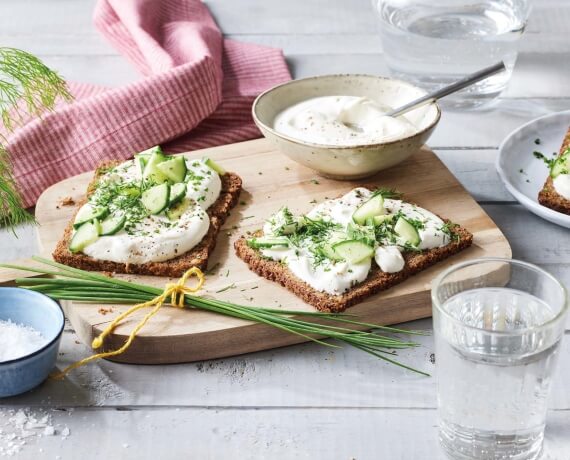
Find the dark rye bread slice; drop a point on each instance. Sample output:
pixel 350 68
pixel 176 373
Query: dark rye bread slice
pixel 548 196
pixel 376 281
pixel 196 257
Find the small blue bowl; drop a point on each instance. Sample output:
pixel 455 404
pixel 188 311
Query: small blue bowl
pixel 33 309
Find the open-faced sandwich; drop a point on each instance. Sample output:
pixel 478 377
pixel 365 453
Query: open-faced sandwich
pixel 556 191
pixel 347 249
pixel 154 215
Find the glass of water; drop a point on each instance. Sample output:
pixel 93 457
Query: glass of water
pixel 433 43
pixel 498 325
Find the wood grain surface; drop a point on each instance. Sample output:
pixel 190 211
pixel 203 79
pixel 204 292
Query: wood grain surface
pixel 303 401
pixel 177 335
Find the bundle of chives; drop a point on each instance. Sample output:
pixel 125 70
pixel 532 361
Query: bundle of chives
pixel 89 287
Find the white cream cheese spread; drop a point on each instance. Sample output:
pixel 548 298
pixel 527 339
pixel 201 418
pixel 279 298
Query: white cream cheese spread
pixel 150 236
pixel 562 185
pixel 559 171
pixel 342 121
pixel 331 252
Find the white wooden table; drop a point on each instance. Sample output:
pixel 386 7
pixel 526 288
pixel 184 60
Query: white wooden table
pixel 302 401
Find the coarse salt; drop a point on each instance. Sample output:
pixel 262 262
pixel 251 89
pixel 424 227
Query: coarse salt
pixel 17 340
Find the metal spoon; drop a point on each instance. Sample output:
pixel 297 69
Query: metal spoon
pixel 447 90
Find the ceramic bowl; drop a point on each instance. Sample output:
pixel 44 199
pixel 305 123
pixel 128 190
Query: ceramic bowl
pixel 43 314
pixel 353 162
pixel 523 174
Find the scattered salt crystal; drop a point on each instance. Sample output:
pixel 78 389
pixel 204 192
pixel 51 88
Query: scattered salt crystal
pixel 21 428
pixel 125 446
pixel 19 419
pixel 17 340
pixel 27 434
pixel 65 432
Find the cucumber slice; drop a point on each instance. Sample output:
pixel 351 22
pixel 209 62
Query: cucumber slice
pixel 173 213
pixel 379 220
pixel 361 232
pixel 561 166
pixel 112 225
pixel 177 192
pixel 148 152
pixel 268 242
pixel 329 252
pixel 373 207
pixel 155 199
pixel 174 169
pixel 353 251
pixel 407 232
pixel 215 166
pixel 85 235
pixel 151 172
pixel 143 157
pixel 87 213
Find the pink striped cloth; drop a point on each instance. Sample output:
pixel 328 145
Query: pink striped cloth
pixel 197 92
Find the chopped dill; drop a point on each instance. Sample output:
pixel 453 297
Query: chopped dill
pixel 387 193
pixel 448 228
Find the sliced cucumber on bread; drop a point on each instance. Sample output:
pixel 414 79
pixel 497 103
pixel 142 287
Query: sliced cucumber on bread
pixel 379 220
pixel 85 235
pixel 151 172
pixel 88 212
pixel 369 209
pixel 177 192
pixel 111 225
pixel 266 242
pixel 407 232
pixel 353 251
pixel 174 169
pixel 156 198
pixel 215 166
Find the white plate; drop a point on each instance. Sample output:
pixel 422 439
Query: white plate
pixel 515 153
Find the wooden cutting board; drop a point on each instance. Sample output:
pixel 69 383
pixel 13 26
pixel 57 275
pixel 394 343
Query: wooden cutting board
pixel 270 180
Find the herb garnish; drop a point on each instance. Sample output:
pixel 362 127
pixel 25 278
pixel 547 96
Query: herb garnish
pixel 387 193
pixel 26 83
pixel 91 287
pixel 448 228
pixel 540 156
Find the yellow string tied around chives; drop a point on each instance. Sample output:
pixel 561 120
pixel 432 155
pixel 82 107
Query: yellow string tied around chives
pixel 173 291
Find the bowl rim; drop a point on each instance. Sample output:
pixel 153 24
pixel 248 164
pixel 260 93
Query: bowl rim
pixel 260 124
pixel 44 297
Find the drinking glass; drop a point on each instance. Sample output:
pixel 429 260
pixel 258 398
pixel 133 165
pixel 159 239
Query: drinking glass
pixel 498 324
pixel 433 43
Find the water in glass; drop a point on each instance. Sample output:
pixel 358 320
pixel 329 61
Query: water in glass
pixel 433 43
pixel 492 390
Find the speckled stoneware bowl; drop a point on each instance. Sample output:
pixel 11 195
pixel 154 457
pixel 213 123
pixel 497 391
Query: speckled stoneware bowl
pixel 354 162
pixel 44 315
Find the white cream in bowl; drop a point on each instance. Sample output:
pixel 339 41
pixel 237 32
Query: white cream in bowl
pixel 342 121
pixel 336 124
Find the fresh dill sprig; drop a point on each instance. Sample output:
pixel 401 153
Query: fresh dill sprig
pixel 448 228
pixel 540 156
pixel 387 193
pixel 314 230
pixel 26 85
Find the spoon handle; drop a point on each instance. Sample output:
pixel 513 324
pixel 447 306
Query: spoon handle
pixel 446 90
